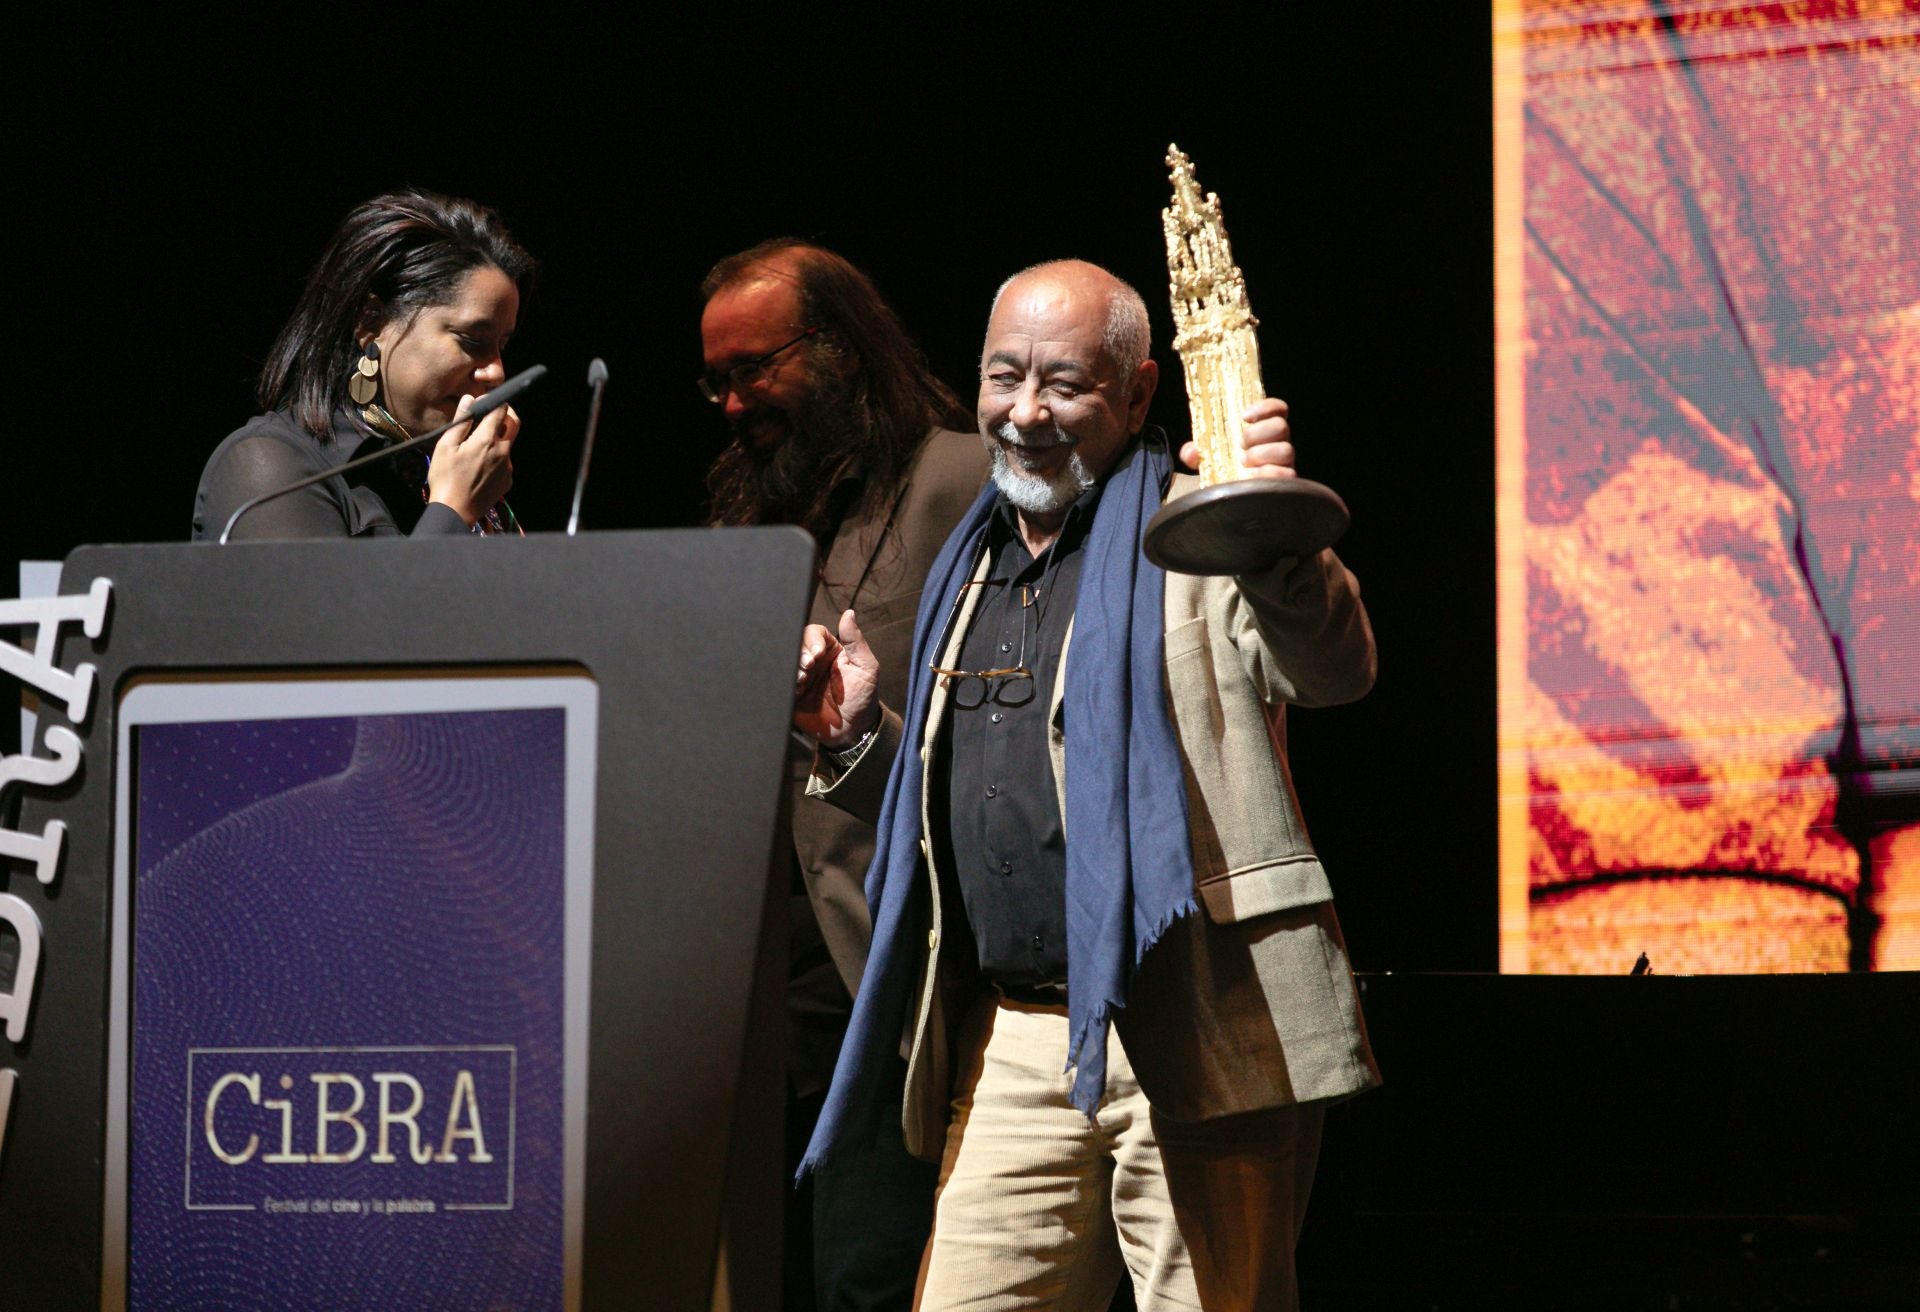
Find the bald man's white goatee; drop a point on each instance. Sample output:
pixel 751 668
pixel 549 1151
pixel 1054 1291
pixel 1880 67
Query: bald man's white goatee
pixel 1035 493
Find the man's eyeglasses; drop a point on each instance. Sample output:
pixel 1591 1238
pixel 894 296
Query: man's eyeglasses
pixel 748 372
pixel 1010 685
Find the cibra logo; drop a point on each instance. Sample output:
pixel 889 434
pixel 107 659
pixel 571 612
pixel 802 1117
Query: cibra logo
pixel 427 1121
pixel 462 1119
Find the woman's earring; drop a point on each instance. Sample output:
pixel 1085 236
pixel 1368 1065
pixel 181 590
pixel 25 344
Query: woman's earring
pixel 364 383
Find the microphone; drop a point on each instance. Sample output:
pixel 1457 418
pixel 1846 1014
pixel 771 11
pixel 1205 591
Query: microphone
pixel 597 380
pixel 486 405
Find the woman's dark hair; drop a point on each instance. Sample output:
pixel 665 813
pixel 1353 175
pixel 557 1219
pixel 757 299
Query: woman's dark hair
pixel 408 249
pixel 895 396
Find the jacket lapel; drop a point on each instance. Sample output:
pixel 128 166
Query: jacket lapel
pixel 950 655
pixel 850 564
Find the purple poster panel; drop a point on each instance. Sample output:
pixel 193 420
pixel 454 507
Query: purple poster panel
pixel 348 1002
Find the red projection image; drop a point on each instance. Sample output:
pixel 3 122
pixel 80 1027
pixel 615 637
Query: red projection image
pixel 1708 310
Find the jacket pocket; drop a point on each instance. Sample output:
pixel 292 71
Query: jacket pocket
pixel 889 610
pixel 1190 681
pixel 1189 636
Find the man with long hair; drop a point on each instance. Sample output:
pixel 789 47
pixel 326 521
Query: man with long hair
pixel 839 427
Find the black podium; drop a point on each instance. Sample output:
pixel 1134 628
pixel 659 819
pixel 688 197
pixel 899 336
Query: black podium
pixel 242 1010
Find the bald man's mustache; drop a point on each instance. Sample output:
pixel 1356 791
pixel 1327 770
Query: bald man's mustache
pixel 1040 439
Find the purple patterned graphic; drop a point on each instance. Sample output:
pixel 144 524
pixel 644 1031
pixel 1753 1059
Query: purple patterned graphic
pixel 347 1042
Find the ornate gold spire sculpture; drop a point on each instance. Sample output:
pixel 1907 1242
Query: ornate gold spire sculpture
pixel 1233 525
pixel 1212 322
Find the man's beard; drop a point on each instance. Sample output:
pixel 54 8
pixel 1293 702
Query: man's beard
pixel 790 482
pixel 1037 494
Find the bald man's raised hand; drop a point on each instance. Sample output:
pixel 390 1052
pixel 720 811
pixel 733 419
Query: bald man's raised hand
pixel 1265 446
pixel 836 694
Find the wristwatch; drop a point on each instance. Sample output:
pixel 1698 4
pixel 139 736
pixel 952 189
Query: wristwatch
pixel 845 758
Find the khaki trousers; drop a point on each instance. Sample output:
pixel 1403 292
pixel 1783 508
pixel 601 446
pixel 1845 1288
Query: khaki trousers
pixel 1038 1208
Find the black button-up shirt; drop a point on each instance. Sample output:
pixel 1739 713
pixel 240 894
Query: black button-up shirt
pixel 1003 837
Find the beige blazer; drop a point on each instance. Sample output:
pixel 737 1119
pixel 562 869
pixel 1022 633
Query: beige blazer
pixel 1250 1003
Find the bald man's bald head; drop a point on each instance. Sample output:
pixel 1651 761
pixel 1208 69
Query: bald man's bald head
pixel 1065 383
pixel 1127 338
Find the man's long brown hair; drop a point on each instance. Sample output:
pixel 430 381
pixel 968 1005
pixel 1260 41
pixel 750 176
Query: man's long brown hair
pixel 892 398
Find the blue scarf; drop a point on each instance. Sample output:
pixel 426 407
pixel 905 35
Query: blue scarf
pixel 1129 865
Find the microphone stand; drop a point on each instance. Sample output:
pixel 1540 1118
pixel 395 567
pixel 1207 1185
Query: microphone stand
pixel 597 380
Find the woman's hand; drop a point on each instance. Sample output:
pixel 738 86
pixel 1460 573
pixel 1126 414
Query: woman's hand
pixel 473 464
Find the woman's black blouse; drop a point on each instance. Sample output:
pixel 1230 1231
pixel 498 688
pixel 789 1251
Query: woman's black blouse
pixel 271 451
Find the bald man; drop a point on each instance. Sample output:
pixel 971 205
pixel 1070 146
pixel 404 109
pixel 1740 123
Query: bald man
pixel 1036 842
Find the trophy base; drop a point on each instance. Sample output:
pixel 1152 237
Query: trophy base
pixel 1244 527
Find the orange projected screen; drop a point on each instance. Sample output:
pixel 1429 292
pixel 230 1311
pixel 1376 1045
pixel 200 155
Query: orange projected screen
pixel 1708 317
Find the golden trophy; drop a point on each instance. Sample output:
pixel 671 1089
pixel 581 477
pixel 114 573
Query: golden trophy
pixel 1233 525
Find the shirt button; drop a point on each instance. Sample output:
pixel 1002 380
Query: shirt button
pixel 1006 646
pixel 992 790
pixel 995 717
pixel 1006 867
pixel 1038 943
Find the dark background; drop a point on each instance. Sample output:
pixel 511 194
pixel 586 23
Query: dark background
pixel 172 183
pixel 1594 1143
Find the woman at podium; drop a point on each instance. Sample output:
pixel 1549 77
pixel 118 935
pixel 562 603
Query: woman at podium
pixel 403 323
